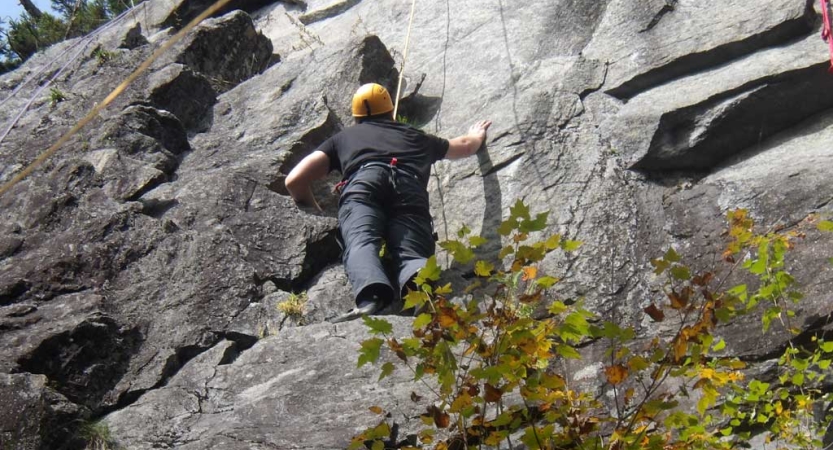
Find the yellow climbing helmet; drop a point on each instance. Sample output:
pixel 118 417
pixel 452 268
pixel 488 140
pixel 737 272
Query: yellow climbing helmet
pixel 370 100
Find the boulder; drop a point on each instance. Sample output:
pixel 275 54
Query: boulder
pixel 34 416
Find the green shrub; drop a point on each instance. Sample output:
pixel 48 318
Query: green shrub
pixel 474 353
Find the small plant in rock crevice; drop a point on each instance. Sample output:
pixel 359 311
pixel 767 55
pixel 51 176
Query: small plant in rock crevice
pixel 294 306
pixel 496 376
pixel 103 55
pixel 56 96
pixel 97 436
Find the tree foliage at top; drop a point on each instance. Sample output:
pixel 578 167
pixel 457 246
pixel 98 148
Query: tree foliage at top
pixel 35 30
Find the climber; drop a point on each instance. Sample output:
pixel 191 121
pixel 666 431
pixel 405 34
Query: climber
pixel 385 166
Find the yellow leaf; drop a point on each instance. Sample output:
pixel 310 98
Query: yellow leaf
pixel 461 402
pixel 443 290
pixel 446 320
pixel 680 347
pixel 678 300
pixel 483 268
pixel 376 410
pixel 529 273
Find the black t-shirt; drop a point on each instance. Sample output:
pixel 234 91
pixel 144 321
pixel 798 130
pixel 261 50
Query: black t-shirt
pixel 380 141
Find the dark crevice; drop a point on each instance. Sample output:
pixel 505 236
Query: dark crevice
pixel 242 342
pixel 702 136
pixel 156 208
pixel 418 110
pixel 147 187
pixel 592 89
pixel 666 8
pixel 85 363
pixel 329 11
pixel 815 330
pixel 189 10
pixel 302 147
pixel 489 169
pixel 14 292
pixel 319 254
pixel 781 34
pixel 228 53
pixel 179 359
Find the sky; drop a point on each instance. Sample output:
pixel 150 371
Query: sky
pixel 11 9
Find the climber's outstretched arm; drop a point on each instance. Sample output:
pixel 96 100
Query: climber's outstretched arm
pixel 299 181
pixel 468 144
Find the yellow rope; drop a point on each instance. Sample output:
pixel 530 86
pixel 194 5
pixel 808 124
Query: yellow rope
pixel 404 58
pixel 113 95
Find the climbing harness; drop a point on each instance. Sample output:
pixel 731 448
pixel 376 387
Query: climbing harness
pixel 113 95
pixel 394 171
pixel 826 30
pixel 405 58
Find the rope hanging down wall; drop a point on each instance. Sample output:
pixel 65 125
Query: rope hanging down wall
pixel 112 96
pixel 80 48
pixel 405 58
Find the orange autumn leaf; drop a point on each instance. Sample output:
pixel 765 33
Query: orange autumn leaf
pixel 493 394
pixel 441 418
pixel 529 273
pixel 702 280
pixel 680 347
pixel 446 321
pixel 728 256
pixel 616 374
pixel 679 300
pixel 376 410
pixel 517 265
pixel 655 313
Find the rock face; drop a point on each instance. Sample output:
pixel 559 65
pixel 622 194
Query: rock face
pixel 141 268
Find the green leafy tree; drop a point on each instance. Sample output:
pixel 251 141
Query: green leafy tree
pixel 493 363
pixel 8 61
pixel 35 30
pixel 29 34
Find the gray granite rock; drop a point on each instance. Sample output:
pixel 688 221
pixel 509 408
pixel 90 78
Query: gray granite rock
pixel 299 389
pixel 164 234
pixel 34 416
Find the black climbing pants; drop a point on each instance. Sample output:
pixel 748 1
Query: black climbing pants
pixel 384 203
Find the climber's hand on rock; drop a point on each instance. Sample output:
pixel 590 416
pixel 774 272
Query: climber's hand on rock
pixel 479 128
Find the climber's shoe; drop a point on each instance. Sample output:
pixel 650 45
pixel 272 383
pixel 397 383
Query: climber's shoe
pixel 366 307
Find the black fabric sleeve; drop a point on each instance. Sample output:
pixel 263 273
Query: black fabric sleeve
pixel 439 147
pixel 329 149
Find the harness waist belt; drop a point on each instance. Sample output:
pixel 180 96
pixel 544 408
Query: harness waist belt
pixel 392 166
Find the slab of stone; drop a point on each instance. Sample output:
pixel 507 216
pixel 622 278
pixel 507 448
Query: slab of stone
pixel 271 395
pixel 648 43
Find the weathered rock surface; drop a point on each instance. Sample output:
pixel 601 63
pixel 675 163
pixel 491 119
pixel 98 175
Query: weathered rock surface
pixel 34 416
pixel 263 398
pixel 142 266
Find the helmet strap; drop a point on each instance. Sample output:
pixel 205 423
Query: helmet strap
pixel 367 106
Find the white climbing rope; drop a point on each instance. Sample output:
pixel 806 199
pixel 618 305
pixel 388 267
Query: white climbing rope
pixel 404 58
pixel 112 96
pixel 85 42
